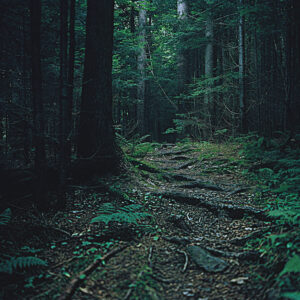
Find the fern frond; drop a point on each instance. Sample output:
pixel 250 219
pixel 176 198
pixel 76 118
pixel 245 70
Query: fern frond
pixel 21 263
pixel 5 217
pixel 127 214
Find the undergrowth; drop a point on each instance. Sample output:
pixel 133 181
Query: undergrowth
pixel 276 169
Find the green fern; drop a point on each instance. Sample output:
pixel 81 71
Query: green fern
pixel 127 214
pixel 21 263
pixel 5 217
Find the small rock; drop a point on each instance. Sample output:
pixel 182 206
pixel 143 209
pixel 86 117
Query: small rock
pixel 205 260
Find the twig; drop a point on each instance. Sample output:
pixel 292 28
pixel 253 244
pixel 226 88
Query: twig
pixel 150 256
pixel 186 260
pixel 130 290
pixel 63 262
pixel 80 278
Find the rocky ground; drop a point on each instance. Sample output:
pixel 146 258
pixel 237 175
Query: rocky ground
pixel 185 217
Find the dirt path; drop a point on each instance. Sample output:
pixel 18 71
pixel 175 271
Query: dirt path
pixel 193 246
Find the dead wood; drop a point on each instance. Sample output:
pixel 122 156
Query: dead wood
pixel 234 211
pixel 81 277
pixel 186 260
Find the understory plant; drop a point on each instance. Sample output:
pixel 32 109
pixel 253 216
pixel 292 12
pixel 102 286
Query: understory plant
pixel 276 169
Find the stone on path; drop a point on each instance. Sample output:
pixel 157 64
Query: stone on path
pixel 205 260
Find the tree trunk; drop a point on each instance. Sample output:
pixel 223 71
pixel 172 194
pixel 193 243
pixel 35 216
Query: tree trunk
pixel 209 68
pixel 38 114
pixel 242 87
pixel 182 59
pixel 96 141
pixel 69 125
pixel 141 62
pixel 63 159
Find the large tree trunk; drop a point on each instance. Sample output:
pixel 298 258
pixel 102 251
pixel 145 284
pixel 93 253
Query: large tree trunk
pixel 141 62
pixel 242 87
pixel 209 68
pixel 38 114
pixel 96 141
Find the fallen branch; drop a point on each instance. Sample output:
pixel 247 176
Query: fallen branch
pixel 81 277
pixel 234 211
pixel 186 260
pixel 150 257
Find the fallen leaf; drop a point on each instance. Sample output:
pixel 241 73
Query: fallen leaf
pixel 239 280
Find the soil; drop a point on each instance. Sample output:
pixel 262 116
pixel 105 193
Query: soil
pixel 156 262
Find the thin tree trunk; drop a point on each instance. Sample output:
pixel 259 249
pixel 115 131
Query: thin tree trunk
pixel 209 67
pixel 69 126
pixel 141 63
pixel 38 113
pixel 242 87
pixel 63 159
pixel 182 58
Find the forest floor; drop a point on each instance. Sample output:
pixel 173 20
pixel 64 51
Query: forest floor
pixel 180 222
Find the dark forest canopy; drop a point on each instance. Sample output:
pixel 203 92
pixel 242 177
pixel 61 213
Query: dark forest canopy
pixel 74 81
pixel 218 65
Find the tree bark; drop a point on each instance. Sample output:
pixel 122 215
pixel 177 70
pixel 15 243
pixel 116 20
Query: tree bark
pixel 96 141
pixel 38 113
pixel 242 87
pixel 209 68
pixel 141 63
pixel 69 125
pixel 182 59
pixel 63 155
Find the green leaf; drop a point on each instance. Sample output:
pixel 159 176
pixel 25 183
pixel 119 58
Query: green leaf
pixel 82 276
pixel 293 265
pixel 292 295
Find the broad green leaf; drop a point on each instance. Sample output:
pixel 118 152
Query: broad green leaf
pixel 293 265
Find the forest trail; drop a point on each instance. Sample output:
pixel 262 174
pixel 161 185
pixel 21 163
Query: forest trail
pixel 192 246
pixel 198 250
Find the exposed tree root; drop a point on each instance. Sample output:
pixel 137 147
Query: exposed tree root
pixel 237 191
pixel 174 152
pixel 202 185
pixel 234 211
pixel 186 164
